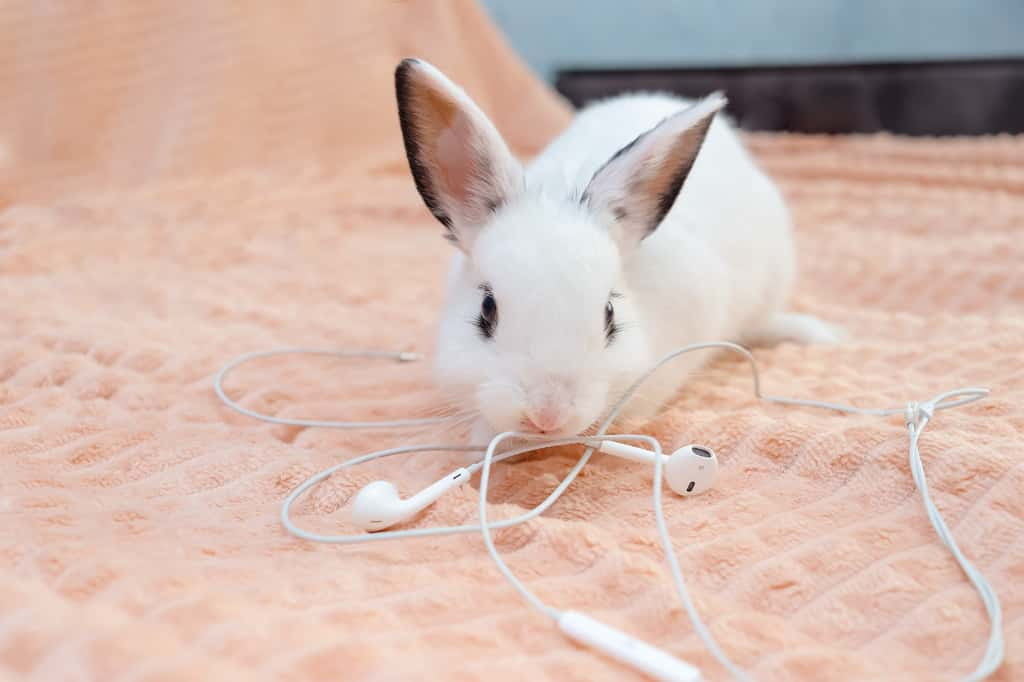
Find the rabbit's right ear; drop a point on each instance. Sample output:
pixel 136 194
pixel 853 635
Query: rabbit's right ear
pixel 459 161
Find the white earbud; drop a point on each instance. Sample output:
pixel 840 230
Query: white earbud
pixel 690 470
pixel 378 505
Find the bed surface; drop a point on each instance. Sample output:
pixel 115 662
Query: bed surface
pixel 139 530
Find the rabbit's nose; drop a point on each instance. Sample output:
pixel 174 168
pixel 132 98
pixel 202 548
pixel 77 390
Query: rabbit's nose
pixel 546 418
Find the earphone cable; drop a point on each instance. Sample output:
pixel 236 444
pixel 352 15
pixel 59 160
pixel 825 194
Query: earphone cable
pixel 916 418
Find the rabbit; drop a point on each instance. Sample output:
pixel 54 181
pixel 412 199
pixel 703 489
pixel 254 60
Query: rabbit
pixel 645 226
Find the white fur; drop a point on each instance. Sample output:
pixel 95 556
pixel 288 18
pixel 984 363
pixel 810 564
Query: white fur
pixel 720 266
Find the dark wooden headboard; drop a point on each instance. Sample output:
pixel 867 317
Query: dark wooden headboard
pixel 927 98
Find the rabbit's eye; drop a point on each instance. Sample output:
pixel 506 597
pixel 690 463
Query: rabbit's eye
pixel 611 329
pixel 488 318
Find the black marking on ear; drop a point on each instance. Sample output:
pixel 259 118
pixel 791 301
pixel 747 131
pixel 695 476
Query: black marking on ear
pixel 413 143
pixel 668 198
pixel 585 197
pixel 493 205
pixel 629 146
pixel 450 236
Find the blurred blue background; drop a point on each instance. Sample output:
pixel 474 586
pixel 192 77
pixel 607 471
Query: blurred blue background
pixel 553 34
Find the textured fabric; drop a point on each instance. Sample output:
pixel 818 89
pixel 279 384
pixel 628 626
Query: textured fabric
pixel 139 529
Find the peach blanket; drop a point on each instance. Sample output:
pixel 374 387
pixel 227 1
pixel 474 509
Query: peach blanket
pixel 182 182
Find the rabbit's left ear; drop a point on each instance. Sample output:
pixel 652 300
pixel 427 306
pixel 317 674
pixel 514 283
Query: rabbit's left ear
pixel 635 189
pixel 460 163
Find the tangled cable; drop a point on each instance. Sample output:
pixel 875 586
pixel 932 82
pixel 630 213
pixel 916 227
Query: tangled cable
pixel 916 417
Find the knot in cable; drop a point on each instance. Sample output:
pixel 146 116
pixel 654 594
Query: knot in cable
pixel 916 412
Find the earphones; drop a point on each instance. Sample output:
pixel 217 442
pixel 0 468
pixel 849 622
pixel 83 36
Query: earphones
pixel 378 506
pixel 688 471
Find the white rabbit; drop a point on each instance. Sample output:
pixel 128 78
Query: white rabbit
pixel 575 274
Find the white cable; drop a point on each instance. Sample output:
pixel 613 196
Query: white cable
pixel 218 386
pixel 422 532
pixel 916 417
pixel 483 527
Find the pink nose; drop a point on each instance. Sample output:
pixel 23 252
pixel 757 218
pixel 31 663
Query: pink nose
pixel 547 418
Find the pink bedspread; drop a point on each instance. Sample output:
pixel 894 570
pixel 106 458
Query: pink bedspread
pixel 139 530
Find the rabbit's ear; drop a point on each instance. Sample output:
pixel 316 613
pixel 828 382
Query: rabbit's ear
pixel 461 165
pixel 636 187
